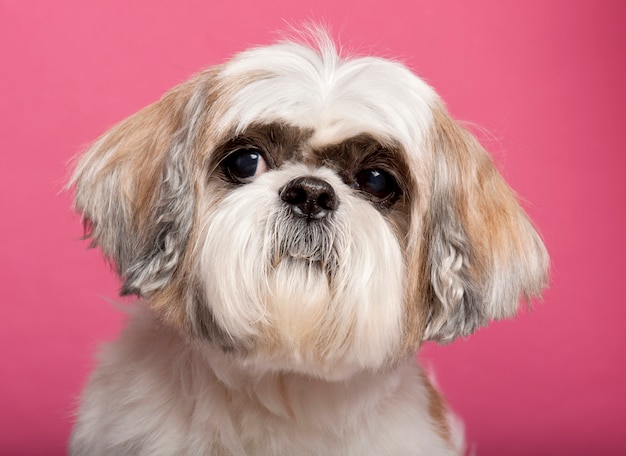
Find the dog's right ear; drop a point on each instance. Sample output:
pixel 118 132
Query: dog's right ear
pixel 134 187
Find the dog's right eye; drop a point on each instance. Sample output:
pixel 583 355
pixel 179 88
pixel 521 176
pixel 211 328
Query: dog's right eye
pixel 244 164
pixel 379 185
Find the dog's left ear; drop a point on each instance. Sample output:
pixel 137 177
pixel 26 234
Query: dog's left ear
pixel 481 252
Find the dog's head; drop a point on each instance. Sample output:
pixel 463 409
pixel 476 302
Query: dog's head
pixel 309 212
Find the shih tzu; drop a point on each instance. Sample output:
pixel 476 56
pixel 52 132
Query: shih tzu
pixel 296 224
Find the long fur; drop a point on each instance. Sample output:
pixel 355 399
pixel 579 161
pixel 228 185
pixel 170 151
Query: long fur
pixel 262 332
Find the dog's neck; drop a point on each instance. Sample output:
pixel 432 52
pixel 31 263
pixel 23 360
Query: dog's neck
pixel 292 395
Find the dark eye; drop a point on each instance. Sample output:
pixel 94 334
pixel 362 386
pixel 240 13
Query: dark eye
pixel 244 164
pixel 378 184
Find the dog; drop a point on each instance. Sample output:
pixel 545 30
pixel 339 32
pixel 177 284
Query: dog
pixel 295 223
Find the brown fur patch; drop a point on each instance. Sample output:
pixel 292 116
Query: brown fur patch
pixel 364 151
pixel 438 410
pixel 278 141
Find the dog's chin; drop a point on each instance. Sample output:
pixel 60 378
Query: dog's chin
pixel 297 295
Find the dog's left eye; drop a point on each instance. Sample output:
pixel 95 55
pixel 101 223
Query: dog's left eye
pixel 245 164
pixel 378 184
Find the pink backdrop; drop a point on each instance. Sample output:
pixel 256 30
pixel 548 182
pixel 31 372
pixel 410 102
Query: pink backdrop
pixel 546 79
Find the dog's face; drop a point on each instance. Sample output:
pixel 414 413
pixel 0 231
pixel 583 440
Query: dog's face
pixel 308 213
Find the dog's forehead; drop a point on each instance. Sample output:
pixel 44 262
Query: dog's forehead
pixel 334 97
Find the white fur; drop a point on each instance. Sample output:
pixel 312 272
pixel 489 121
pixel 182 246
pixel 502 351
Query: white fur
pixel 162 396
pixel 338 97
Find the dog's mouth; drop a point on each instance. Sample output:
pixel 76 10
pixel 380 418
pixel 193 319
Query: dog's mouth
pixel 316 242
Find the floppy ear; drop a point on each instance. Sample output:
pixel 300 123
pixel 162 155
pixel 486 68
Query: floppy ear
pixel 482 251
pixel 135 190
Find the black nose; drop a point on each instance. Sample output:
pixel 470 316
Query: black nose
pixel 309 197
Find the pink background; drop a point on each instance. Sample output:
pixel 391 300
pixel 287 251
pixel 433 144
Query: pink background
pixel 546 79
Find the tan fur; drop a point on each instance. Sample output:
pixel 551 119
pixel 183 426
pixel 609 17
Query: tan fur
pixel 136 151
pixel 438 410
pixel 483 200
pixel 492 216
pixel 503 256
